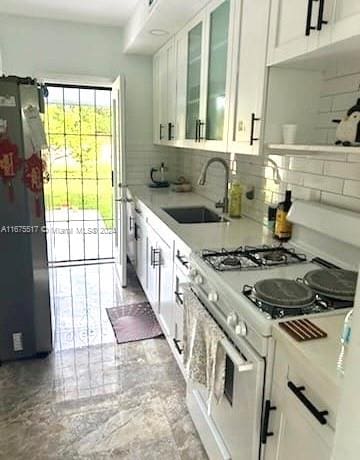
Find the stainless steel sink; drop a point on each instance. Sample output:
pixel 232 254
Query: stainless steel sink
pixel 194 215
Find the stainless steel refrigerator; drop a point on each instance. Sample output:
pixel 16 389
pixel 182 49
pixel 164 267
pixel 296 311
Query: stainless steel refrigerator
pixel 25 313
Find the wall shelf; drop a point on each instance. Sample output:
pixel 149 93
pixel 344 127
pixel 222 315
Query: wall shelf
pixel 303 149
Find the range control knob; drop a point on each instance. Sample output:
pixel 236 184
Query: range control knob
pixel 232 319
pixel 198 279
pixel 193 273
pixel 213 296
pixel 241 329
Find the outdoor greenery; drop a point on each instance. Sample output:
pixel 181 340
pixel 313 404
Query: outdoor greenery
pixel 79 162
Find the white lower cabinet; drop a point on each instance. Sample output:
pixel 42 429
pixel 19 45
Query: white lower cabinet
pixel 300 422
pixel 162 269
pixel 131 232
pixel 141 251
pixel 153 269
pixel 166 303
pixel 180 278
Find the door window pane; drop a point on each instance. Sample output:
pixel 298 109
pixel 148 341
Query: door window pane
pixel 219 31
pixel 193 80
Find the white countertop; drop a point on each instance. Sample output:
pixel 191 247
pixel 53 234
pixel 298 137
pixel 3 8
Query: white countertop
pixel 320 354
pixel 234 233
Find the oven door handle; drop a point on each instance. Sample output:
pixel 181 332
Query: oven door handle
pixel 240 363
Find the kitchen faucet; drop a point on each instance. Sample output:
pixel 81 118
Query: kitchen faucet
pixel 202 179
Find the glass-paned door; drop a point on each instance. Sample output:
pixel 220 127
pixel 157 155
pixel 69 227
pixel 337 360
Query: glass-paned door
pixel 79 195
pixel 216 90
pixel 194 62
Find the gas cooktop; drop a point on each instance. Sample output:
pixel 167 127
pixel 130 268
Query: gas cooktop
pixel 251 258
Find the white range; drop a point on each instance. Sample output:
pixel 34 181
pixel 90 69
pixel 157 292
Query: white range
pixel 247 290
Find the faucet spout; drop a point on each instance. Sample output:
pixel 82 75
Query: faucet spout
pixel 202 180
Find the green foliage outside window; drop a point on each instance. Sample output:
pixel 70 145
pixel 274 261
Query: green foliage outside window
pixel 80 152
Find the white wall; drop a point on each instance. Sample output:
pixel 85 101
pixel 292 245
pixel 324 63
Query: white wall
pixel 41 47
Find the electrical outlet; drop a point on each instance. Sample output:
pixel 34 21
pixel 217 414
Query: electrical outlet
pixel 18 341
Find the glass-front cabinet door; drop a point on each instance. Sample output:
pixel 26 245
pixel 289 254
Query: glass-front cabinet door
pixel 194 74
pixel 203 86
pixel 217 71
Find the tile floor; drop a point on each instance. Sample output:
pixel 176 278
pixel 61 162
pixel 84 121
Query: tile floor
pixel 91 398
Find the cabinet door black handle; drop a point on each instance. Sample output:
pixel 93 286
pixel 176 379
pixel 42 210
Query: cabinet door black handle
pixel 176 343
pixel 179 298
pixel 309 27
pixel 131 220
pixel 170 131
pixel 196 130
pixel 156 261
pixel 252 138
pixel 265 423
pixel 136 232
pixel 321 21
pixel 200 125
pixel 182 260
pixel 152 257
pixel 161 132
pixel 298 392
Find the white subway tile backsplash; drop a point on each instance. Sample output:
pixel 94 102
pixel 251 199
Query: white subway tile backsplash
pixel 306 165
pixel 326 103
pixel 341 169
pixel 345 101
pixel 340 85
pixel 354 157
pixel 341 201
pixel 352 188
pixel 304 193
pixel 329 184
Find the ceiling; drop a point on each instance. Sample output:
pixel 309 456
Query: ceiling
pixel 104 12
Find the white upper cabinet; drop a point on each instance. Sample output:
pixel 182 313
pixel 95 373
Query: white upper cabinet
pixel 165 95
pixel 248 76
pixel 298 27
pixel 346 19
pixel 193 76
pixel 214 123
pixel 204 76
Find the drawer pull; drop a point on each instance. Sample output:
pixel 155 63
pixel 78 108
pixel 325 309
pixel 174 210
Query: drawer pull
pixel 299 393
pixel 309 27
pixel 177 346
pixel 131 223
pixel 265 425
pixel 179 297
pixel 321 21
pixel 182 260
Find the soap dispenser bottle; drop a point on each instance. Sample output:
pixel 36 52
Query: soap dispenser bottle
pixel 235 200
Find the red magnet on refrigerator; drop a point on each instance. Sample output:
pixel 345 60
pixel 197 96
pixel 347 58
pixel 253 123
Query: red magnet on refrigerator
pixel 34 169
pixel 10 163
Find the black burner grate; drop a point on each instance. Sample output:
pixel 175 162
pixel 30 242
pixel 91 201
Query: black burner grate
pixel 251 258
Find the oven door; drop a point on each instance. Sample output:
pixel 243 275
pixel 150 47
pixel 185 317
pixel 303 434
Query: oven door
pixel 231 428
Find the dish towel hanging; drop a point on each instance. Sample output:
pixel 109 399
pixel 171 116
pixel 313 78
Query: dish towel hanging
pixel 204 356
